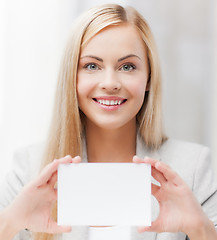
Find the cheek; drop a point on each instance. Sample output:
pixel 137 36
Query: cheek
pixel 81 91
pixel 84 86
pixel 80 88
pixel 138 89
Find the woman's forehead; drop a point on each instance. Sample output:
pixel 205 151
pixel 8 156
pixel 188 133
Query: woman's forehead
pixel 122 39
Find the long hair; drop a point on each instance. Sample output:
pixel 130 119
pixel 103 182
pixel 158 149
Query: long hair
pixel 65 136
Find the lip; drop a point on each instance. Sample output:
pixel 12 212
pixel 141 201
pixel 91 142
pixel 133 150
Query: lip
pixel 109 98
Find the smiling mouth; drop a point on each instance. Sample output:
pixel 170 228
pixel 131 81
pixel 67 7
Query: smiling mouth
pixel 109 102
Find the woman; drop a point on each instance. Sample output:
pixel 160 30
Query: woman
pixel 109 92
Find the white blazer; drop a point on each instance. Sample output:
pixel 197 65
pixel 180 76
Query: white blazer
pixel 191 161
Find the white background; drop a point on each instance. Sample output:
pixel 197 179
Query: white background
pixel 33 35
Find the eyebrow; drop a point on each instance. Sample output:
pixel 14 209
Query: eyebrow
pixel 91 56
pixel 128 56
pixel 119 60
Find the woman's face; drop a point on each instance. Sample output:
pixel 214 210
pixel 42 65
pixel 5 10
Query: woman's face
pixel 112 77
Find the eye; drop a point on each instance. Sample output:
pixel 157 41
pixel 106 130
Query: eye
pixel 128 67
pixel 91 66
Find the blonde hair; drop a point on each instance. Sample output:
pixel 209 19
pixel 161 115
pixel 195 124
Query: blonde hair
pixel 65 135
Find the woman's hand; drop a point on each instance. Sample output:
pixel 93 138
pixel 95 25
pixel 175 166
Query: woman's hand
pixel 32 207
pixel 179 209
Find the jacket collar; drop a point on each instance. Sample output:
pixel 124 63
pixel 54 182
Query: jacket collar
pixel 143 151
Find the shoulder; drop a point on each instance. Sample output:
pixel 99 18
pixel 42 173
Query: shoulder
pixel 186 158
pixel 25 166
pixel 175 144
pixel 182 150
pixel 193 163
pixel 29 158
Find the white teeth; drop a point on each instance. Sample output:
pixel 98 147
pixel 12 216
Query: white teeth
pixel 109 103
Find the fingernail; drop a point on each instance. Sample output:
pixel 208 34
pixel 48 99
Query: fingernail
pixel 135 158
pixel 139 229
pixel 142 229
pixel 67 156
pixel 77 157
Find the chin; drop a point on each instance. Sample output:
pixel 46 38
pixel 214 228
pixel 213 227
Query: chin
pixel 114 125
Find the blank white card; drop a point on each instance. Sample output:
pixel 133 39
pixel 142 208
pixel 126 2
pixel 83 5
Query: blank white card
pixel 104 194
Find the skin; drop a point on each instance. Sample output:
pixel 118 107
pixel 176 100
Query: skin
pixel 179 210
pixel 119 72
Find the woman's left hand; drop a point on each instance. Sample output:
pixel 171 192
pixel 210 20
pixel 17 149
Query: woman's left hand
pixel 179 209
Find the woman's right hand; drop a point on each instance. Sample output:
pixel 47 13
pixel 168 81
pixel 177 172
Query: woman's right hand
pixel 32 207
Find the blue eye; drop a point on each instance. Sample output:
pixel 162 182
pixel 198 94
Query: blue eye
pixel 128 67
pixel 91 66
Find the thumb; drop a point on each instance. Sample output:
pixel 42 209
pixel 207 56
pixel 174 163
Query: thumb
pixel 54 228
pixel 153 228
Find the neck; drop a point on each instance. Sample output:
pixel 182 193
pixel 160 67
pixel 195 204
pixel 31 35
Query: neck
pixel 111 145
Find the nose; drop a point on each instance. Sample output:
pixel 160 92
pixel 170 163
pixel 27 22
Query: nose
pixel 110 81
